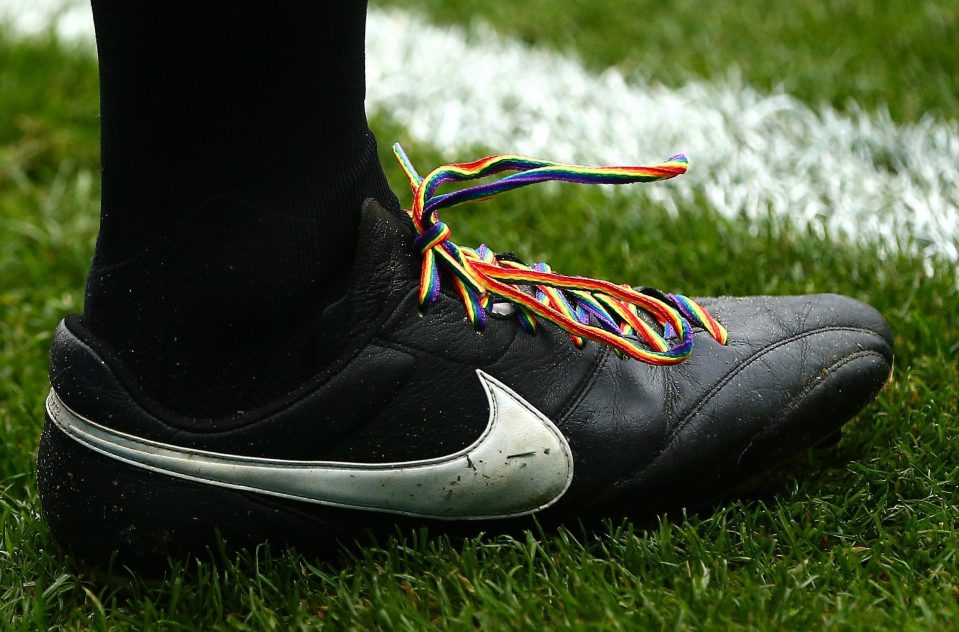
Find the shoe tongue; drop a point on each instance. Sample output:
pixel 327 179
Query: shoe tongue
pixel 382 245
pixel 383 271
pixel 383 262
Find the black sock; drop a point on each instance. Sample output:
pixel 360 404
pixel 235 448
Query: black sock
pixel 236 156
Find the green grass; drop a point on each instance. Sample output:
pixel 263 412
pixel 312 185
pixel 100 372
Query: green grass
pixel 895 53
pixel 863 535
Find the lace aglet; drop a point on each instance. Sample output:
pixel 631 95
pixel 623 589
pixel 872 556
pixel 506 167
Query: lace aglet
pixel 404 160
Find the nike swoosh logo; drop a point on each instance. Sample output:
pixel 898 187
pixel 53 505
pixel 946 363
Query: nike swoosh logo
pixel 521 464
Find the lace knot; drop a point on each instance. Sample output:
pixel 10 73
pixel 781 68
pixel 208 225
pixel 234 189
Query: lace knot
pixel 432 237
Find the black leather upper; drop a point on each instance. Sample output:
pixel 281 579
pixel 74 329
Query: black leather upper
pixel 401 385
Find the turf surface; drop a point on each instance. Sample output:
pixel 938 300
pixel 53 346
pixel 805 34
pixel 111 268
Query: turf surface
pixel 858 536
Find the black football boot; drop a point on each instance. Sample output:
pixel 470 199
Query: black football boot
pixel 420 417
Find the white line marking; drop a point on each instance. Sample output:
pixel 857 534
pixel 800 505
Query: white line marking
pixel 857 174
pixel 70 19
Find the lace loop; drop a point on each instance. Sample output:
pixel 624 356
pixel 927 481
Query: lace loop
pixel 587 309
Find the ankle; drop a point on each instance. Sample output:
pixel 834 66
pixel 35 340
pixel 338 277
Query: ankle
pixel 216 314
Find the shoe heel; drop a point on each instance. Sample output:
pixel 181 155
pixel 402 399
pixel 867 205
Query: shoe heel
pixel 103 510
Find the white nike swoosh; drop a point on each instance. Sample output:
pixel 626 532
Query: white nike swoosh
pixel 520 464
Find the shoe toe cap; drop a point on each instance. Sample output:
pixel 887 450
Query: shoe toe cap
pixel 805 365
pixel 833 356
pixel 794 371
pixel 761 321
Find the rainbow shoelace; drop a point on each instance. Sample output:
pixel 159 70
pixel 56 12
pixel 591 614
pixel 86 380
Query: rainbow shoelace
pixel 587 309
